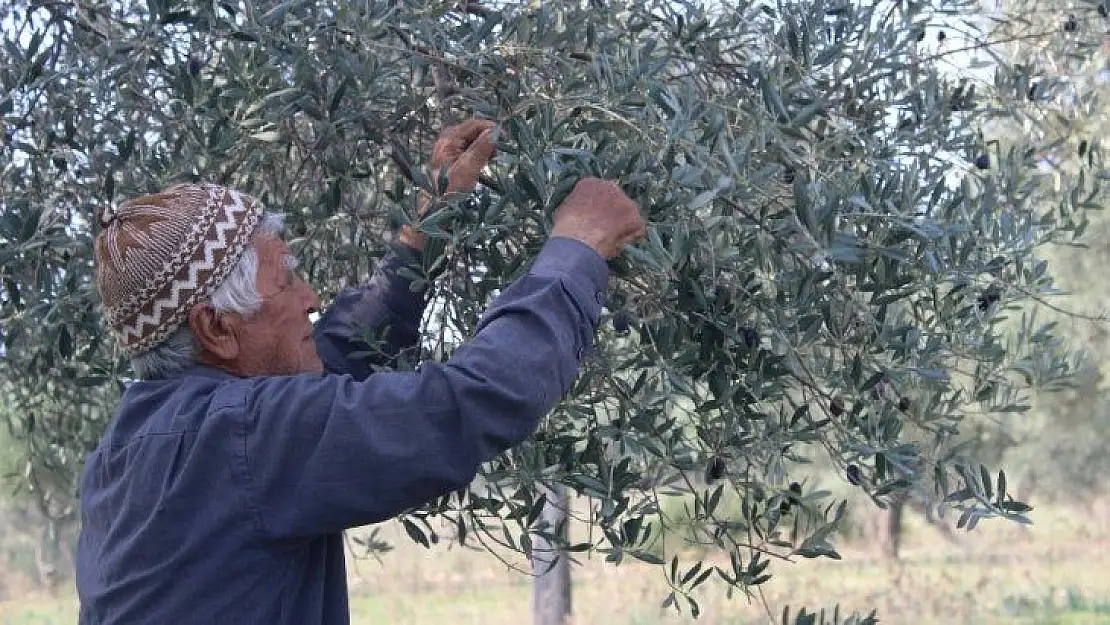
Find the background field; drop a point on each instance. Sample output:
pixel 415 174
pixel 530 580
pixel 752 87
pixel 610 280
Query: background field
pixel 1056 572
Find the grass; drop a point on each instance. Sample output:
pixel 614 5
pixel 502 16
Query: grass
pixel 1058 572
pixel 1072 608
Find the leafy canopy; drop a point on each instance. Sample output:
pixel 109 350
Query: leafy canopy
pixel 833 250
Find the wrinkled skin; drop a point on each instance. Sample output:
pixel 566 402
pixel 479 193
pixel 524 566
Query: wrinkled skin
pixel 277 340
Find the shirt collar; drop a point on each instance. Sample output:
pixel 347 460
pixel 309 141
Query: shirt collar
pixel 203 371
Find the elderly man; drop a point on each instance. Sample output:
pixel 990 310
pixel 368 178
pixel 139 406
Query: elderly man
pixel 221 489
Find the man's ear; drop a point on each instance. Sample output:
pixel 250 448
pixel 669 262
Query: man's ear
pixel 217 334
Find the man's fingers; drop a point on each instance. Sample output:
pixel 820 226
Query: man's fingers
pixel 454 140
pixel 466 132
pixel 480 151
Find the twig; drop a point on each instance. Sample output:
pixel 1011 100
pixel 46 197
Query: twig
pixel 1040 300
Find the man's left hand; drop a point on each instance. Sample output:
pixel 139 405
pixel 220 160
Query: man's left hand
pixel 463 150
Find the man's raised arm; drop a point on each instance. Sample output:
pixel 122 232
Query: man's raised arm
pixel 324 453
pixel 378 324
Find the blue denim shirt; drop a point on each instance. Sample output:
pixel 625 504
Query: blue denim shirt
pixel 219 499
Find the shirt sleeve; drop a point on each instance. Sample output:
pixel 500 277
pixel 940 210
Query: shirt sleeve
pixel 328 452
pixel 376 325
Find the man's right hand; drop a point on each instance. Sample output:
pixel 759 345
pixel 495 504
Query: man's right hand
pixel 598 213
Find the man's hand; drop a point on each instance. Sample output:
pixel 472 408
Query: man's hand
pixel 599 214
pixel 463 150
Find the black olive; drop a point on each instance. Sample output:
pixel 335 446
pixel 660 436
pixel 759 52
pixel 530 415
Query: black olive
pixel 837 407
pixel 622 321
pixel 796 488
pixel 853 475
pixel 195 65
pixel 784 507
pixel 715 470
pixel 941 36
pixel 1082 147
pixel 988 299
pixel 921 35
pixel 1071 25
pixel 983 161
pixel 751 337
pixel 904 404
pixel 788 175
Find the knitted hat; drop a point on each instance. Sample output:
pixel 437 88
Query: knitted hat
pixel 159 255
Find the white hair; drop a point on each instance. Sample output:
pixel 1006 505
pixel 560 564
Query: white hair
pixel 237 294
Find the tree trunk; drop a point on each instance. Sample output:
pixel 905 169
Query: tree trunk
pixel 890 538
pixel 46 556
pixel 551 588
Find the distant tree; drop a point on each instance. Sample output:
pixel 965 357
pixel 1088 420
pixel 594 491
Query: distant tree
pixel 1060 444
pixel 36 505
pixel 1039 70
pixel 832 237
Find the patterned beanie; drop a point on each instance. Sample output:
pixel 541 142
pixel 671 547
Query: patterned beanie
pixel 159 255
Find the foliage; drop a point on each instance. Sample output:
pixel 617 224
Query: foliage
pixel 831 256
pixel 37 511
pixel 1060 446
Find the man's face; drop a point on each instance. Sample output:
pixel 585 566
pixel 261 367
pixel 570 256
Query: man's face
pixel 278 339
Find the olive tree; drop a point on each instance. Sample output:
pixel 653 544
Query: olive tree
pixel 1047 65
pixel 833 245
pixel 1065 105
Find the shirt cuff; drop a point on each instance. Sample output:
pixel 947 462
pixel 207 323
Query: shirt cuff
pixel 399 254
pixel 584 272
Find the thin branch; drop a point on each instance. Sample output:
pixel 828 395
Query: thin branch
pixel 1042 301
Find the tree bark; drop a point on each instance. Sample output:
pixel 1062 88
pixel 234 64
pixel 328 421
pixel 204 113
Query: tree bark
pixel 551 584
pixel 891 528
